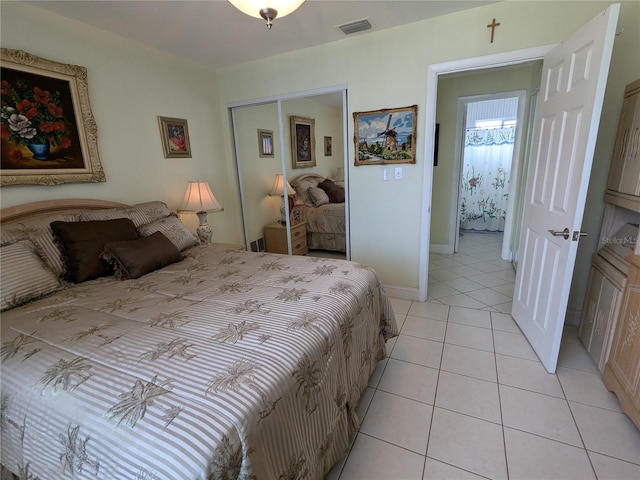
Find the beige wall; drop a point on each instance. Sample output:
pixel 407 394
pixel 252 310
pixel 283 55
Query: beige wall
pixel 385 216
pixel 130 85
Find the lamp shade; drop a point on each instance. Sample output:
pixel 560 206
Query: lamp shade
pixel 199 198
pixel 254 8
pixel 340 174
pixel 278 187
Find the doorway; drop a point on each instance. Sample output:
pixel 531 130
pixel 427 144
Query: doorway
pixel 488 166
pixel 435 72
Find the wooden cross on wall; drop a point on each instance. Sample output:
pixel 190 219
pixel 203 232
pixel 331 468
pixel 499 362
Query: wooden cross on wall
pixel 493 26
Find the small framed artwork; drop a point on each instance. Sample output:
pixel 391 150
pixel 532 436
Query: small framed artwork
pixel 175 137
pixel 49 135
pixel 385 136
pixel 265 143
pixel 303 142
pixel 328 148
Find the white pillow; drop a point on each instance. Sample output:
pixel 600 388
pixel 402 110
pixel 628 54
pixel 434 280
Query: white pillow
pixel 24 276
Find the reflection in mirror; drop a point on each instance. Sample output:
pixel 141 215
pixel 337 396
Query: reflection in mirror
pixel 256 171
pixel 318 178
pixel 316 208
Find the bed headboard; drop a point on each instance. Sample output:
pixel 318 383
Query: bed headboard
pixel 307 176
pixel 29 211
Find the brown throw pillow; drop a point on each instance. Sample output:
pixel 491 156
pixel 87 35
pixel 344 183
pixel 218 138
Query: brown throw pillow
pixel 82 243
pixel 134 258
pixel 334 192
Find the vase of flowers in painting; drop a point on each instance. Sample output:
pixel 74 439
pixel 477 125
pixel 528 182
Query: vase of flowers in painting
pixel 40 150
pixel 33 117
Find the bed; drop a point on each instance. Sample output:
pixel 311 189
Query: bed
pixel 219 364
pixel 322 204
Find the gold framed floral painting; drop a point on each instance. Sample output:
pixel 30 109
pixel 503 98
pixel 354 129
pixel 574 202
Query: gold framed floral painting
pixel 175 137
pixel 49 135
pixel 303 142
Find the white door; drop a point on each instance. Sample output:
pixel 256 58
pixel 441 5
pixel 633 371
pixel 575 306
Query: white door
pixel 574 77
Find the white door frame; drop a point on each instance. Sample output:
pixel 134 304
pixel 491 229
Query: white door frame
pixel 433 71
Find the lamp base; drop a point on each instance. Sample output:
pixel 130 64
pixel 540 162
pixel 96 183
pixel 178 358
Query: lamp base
pixel 283 213
pixel 204 232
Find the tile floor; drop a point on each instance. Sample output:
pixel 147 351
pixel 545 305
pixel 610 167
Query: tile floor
pixel 463 396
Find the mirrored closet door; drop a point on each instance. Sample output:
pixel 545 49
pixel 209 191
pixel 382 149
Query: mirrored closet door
pixel 290 154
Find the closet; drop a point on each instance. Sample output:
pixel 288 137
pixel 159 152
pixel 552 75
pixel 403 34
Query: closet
pixel 610 322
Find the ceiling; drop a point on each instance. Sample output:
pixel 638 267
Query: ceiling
pixel 216 34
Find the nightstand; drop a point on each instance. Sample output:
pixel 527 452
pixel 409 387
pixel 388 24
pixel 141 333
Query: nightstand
pixel 275 237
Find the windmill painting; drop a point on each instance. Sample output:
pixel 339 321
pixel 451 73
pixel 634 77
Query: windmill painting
pixel 385 136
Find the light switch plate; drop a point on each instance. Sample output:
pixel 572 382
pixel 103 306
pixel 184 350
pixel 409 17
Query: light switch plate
pixel 398 173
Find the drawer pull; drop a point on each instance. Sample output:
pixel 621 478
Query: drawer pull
pixel 297 234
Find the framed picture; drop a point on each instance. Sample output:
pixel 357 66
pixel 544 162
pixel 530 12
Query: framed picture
pixel 265 143
pixel 175 137
pixel 328 147
pixel 303 142
pixel 385 136
pixel 49 135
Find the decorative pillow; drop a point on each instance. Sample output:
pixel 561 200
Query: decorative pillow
pixel 302 189
pixel 82 243
pixel 173 229
pixel 39 232
pixel 24 276
pixel 134 258
pixel 140 214
pixel 334 192
pixel 318 196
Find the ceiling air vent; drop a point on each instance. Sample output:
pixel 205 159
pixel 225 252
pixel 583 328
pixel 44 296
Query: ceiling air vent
pixel 355 26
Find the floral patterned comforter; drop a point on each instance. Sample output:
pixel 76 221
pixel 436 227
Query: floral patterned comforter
pixel 228 364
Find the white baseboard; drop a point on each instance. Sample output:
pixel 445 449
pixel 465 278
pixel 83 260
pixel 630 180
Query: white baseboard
pixel 403 293
pixel 440 248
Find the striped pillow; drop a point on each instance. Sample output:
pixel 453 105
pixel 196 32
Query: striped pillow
pixel 24 276
pixel 139 214
pixel 173 229
pixel 39 232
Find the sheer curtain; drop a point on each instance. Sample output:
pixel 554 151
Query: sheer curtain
pixel 485 178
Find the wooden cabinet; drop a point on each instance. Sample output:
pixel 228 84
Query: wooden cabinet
pixel 623 186
pixel 600 311
pixel 622 370
pixel 275 237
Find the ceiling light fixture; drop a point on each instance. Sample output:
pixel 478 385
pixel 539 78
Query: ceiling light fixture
pixel 267 9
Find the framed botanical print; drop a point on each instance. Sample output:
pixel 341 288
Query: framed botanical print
pixel 175 137
pixel 303 142
pixel 328 147
pixel 265 143
pixel 49 135
pixel 385 136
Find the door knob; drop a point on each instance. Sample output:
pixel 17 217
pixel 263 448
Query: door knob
pixel 564 233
